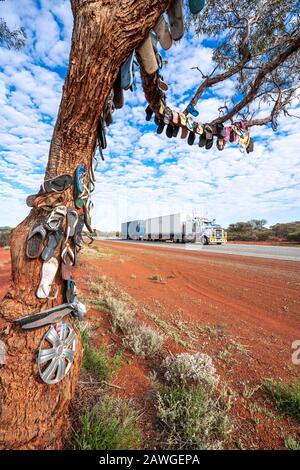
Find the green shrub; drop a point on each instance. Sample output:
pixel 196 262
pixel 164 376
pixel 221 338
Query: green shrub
pixel 294 236
pixel 192 418
pixel 85 330
pixel 185 368
pixel 263 235
pixel 291 443
pixel 140 338
pixel 5 238
pixel 286 396
pixel 143 340
pixel 96 361
pixel 109 425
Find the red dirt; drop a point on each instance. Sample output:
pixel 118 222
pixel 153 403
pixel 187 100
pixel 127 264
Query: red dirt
pixel 4 271
pixel 251 304
pixel 243 311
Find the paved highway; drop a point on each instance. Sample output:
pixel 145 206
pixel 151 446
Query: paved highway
pixel 289 253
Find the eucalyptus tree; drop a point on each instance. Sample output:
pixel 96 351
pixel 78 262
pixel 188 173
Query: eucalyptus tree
pixel 256 45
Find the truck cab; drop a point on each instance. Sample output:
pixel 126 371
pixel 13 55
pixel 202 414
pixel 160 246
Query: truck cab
pixel 202 230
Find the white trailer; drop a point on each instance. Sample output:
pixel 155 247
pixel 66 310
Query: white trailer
pixel 168 227
pixel 184 228
pixel 177 228
pixel 133 230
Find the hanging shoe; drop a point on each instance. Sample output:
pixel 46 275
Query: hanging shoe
pixel 196 6
pixel 147 56
pixel 118 98
pixel 49 270
pixel 54 239
pixel 192 110
pixel 175 14
pixel 35 239
pixel 163 34
pixel 191 138
pixel 127 72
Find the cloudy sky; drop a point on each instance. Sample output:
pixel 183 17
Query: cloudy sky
pixel 144 174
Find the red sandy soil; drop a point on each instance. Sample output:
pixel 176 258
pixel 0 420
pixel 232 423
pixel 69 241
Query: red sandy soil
pixel 4 271
pixel 243 311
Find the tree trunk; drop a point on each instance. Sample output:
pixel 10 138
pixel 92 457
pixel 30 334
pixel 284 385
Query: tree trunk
pixel 34 415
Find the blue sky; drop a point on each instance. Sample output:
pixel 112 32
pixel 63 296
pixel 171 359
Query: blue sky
pixel 144 174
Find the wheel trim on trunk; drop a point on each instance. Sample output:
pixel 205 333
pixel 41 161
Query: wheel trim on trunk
pixel 55 362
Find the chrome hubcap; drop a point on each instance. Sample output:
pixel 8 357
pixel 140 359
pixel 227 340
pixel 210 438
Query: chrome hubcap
pixel 54 362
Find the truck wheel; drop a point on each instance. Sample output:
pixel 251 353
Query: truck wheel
pixel 204 240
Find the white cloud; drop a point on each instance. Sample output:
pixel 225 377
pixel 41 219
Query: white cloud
pixel 144 174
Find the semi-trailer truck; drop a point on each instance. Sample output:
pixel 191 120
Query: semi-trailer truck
pixel 177 228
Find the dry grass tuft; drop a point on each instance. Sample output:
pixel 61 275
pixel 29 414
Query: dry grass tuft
pixel 188 368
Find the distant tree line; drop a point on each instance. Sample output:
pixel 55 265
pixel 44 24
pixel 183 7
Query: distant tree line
pixel 5 236
pixel 256 230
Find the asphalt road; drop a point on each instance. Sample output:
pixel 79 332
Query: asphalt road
pixel 289 253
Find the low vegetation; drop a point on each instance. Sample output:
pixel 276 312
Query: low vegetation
pixel 192 413
pixel 256 230
pixel 188 369
pixel 143 340
pixel 140 338
pixel 5 233
pixel 96 360
pixel 157 278
pixel 110 425
pixel 292 444
pixel 286 396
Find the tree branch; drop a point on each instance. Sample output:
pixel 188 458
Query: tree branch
pixel 259 79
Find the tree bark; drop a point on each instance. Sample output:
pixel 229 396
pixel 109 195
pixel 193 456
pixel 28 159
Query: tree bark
pixel 34 415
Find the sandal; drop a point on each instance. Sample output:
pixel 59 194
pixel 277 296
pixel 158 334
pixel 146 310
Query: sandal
pixel 118 98
pixel 72 220
pixel 184 132
pixel 190 124
pixel 127 72
pixel 160 127
pixel 147 56
pixel 220 143
pixel 81 191
pixel 70 291
pixel 175 131
pixel 56 185
pixel 199 129
pixel 87 216
pixel 163 34
pixel 175 14
pixel 55 218
pixel 191 138
pixel 149 113
pixel 168 115
pixel 68 261
pixel 196 6
pixel 34 244
pixel 182 118
pixel 78 232
pixel 202 140
pixel 49 270
pixel 101 134
pixel 190 109
pixel 46 201
pixel 169 131
pixel 54 239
